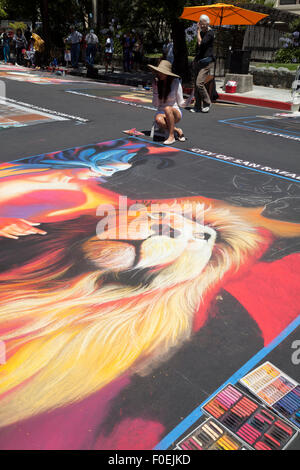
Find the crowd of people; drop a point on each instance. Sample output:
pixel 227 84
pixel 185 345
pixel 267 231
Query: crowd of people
pixel 28 47
pixel 89 45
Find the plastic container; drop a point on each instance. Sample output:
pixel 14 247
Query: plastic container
pixel 230 87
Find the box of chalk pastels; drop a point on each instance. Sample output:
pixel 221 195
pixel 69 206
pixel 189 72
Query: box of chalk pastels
pixel 276 389
pixel 210 435
pixel 251 422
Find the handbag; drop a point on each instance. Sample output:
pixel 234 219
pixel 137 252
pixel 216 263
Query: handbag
pixel 205 61
pixel 201 63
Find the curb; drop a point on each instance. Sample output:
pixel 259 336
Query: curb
pixel 262 102
pixel 282 105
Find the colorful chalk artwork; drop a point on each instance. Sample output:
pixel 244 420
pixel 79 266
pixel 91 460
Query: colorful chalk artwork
pixel 289 406
pixel 276 389
pixel 269 383
pixel 248 420
pixel 210 435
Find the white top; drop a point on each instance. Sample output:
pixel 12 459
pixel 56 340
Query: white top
pixel 169 51
pixel 109 46
pixel 74 37
pixel 174 99
pixel 91 38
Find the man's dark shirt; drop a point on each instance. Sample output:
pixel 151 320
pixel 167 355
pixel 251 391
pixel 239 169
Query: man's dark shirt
pixel 206 47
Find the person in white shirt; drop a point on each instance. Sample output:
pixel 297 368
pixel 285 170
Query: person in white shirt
pixel 75 38
pixel 109 50
pixel 92 41
pixel 168 50
pixel 168 98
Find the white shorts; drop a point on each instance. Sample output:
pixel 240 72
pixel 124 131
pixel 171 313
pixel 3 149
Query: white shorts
pixel 162 111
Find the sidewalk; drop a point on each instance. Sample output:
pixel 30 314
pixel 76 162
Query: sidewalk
pixel 276 98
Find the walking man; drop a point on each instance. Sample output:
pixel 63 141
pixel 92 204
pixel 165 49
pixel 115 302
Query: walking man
pixel 202 61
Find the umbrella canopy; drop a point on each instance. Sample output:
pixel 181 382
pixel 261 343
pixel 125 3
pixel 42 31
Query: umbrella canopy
pixel 223 14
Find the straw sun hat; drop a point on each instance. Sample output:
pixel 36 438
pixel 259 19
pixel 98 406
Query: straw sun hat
pixel 164 67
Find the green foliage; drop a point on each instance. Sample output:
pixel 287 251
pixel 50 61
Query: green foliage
pixel 191 45
pixel 288 55
pixel 17 25
pixel 2 10
pixel 295 25
pixel 20 9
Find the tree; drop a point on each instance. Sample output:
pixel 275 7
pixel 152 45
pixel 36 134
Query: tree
pixel 2 10
pixel 44 8
pixel 157 19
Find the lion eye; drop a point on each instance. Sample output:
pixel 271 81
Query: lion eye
pixel 202 236
pixel 165 229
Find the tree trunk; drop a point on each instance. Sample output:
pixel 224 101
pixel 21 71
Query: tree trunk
pixel 181 63
pixel 46 28
pixel 95 13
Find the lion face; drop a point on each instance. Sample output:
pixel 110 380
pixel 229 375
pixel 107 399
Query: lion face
pixel 153 241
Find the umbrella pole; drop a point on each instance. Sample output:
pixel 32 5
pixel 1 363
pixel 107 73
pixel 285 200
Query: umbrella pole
pixel 217 53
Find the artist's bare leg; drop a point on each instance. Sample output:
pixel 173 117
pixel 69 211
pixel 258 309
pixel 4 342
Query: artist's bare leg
pixel 168 121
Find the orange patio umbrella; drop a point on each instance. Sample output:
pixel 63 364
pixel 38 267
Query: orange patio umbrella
pixel 223 14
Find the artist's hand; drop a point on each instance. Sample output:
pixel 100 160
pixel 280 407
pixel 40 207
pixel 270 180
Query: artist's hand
pixel 15 228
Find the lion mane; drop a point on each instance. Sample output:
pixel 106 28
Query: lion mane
pixel 69 332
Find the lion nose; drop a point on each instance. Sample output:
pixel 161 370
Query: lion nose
pixel 165 229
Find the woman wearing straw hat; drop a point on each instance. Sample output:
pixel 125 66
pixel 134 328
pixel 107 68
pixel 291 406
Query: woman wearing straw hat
pixel 167 97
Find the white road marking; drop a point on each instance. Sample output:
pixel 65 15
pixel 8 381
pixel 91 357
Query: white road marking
pixel 57 114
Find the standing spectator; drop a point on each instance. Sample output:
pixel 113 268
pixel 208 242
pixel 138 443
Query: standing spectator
pixel 39 46
pixel 127 52
pixel 83 49
pixel 138 50
pixel 29 56
pixel 108 51
pixel 132 40
pixel 168 51
pixel 92 41
pixel 27 34
pixel 6 47
pixel 202 61
pixel 21 45
pixel 75 39
pixel 67 56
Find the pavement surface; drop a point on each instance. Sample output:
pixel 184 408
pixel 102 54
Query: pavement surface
pixel 209 309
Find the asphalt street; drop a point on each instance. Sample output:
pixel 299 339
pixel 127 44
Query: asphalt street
pixel 107 120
